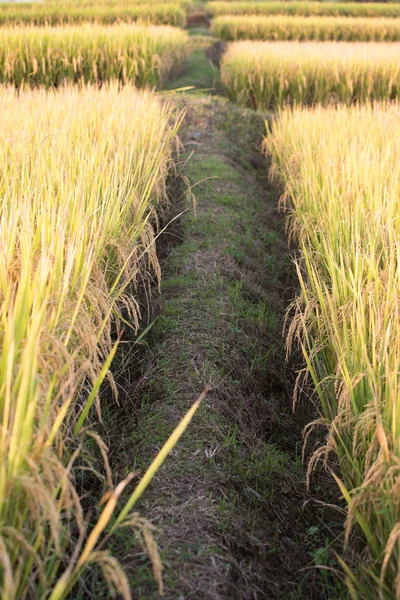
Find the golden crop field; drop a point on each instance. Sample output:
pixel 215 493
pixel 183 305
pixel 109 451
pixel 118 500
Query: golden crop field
pixel 305 8
pixel 89 54
pixel 94 3
pixel 117 11
pixel 111 113
pixel 340 29
pixel 270 74
pixel 263 1
pixel 341 169
pixel 90 165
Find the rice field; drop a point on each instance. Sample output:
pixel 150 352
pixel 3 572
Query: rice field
pixel 340 168
pixel 263 1
pixel 271 74
pixel 121 11
pixel 90 165
pixel 305 9
pixel 334 83
pixel 49 56
pixel 86 146
pixel 340 29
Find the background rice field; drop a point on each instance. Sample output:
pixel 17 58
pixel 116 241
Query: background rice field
pixel 307 9
pixel 340 29
pixel 270 74
pixel 50 56
pixel 117 11
pixel 341 1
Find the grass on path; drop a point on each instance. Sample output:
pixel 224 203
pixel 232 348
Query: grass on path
pixel 233 516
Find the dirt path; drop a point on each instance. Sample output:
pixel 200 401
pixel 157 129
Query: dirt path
pixel 233 516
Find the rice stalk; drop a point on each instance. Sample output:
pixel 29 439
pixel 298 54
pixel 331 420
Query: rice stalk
pixel 296 28
pixel 69 13
pixel 81 172
pixel 50 56
pixel 341 170
pixel 271 74
pixel 304 8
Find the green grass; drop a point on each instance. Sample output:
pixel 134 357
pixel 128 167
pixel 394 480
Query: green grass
pixel 197 71
pixel 204 31
pixel 217 325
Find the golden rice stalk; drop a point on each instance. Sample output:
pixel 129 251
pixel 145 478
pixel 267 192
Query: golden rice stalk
pixel 298 28
pixel 106 13
pixel 90 53
pixel 81 173
pixel 341 167
pixel 304 8
pixel 271 74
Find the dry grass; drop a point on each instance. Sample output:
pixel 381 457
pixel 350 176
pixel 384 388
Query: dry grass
pixel 90 54
pixel 344 29
pixel 341 168
pixel 62 13
pixel 271 74
pixel 81 172
pixel 306 9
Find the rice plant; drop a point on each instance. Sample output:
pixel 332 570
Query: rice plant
pixel 271 74
pixel 306 9
pixel 263 1
pixel 341 169
pixel 343 29
pixel 50 56
pixel 81 172
pixel 61 13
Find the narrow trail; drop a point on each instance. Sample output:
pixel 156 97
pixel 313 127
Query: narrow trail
pixel 233 517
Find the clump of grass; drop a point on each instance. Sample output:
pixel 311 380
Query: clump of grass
pixel 341 168
pixel 61 13
pixel 50 56
pixel 345 29
pixel 306 9
pixel 270 74
pixel 81 173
